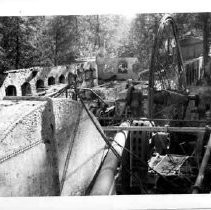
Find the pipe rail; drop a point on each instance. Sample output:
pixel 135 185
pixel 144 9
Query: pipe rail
pixel 158 129
pixel 153 119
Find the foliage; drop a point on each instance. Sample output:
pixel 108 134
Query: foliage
pixel 62 39
pixel 141 37
pixel 17 42
pixel 101 31
pixel 59 40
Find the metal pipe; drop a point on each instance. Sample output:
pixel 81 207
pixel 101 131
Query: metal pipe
pixel 154 119
pixel 158 129
pixel 105 182
pixel 202 169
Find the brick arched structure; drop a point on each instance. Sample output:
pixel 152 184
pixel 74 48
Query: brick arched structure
pixel 11 90
pixel 39 85
pixel 26 89
pixel 62 79
pixel 51 81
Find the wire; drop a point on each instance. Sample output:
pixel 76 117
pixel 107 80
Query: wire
pixel 107 141
pixel 99 130
pixel 112 148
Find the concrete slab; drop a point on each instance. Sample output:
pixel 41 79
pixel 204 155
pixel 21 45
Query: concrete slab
pixel 36 139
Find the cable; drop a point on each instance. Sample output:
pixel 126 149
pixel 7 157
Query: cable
pixel 99 130
pixel 113 149
pixel 105 138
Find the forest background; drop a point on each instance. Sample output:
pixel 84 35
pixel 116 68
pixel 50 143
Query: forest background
pixel 27 41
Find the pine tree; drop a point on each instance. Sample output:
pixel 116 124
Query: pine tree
pixel 62 38
pixel 18 42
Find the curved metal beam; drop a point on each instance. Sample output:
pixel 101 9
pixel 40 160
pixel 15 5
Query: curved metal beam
pixel 167 19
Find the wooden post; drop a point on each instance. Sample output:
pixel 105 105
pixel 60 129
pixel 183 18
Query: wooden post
pixel 202 169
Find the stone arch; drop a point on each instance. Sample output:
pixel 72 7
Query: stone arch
pixel 51 81
pixel 62 79
pixel 11 90
pixel 71 79
pixel 26 89
pixel 34 73
pixel 39 85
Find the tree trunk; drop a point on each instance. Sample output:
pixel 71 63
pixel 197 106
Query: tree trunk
pixel 205 17
pixel 98 41
pixel 76 29
pixel 17 58
pixel 56 50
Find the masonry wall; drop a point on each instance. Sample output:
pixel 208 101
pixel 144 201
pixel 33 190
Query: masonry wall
pixel 88 150
pixel 28 165
pixel 108 67
pixel 18 77
pixel 35 139
pixel 76 133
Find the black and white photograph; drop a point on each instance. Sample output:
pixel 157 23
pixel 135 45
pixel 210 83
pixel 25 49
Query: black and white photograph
pixel 106 110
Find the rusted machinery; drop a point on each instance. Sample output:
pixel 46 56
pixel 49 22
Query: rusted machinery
pixel 165 150
pixel 166 147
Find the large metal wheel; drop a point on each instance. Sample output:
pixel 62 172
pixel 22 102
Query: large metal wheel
pixel 166 67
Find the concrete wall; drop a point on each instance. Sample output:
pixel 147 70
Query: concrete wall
pixel 35 139
pixel 28 165
pixel 76 132
pixel 108 67
pixel 18 77
pixel 86 156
